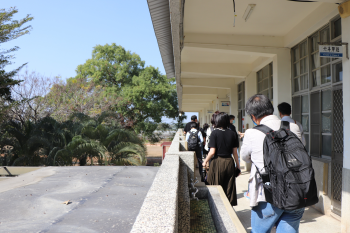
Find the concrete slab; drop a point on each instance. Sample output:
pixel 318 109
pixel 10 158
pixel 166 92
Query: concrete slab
pixel 312 221
pixel 103 199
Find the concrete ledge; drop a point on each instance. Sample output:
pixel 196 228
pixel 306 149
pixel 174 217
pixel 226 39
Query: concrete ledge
pixel 159 211
pixel 17 170
pixel 184 201
pixel 224 216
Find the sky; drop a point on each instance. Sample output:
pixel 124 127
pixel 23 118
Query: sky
pixel 65 32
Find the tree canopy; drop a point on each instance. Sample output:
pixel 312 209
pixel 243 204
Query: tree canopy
pixel 145 95
pixel 10 29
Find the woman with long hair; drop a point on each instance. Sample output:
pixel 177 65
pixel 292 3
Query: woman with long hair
pixel 222 170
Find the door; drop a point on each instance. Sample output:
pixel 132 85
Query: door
pixel 338 149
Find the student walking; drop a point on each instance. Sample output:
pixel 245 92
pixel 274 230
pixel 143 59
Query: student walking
pixel 188 125
pixel 285 110
pixel 195 141
pixel 222 170
pixel 264 215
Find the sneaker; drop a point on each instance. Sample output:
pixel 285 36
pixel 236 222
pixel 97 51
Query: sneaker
pixel 246 194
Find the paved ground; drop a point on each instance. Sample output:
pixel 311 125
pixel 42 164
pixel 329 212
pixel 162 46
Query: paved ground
pixel 103 199
pixel 312 221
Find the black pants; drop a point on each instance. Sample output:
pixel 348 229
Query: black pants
pixel 200 160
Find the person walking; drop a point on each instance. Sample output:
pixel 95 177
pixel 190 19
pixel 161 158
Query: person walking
pixel 204 133
pixel 264 215
pixel 195 141
pixel 222 170
pixel 285 110
pixel 188 125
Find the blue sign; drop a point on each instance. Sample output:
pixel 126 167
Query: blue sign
pixel 330 51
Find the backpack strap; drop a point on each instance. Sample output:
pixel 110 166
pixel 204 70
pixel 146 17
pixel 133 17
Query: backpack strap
pixel 285 125
pixel 263 128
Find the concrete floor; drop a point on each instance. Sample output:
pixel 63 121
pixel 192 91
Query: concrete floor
pixel 103 199
pixel 312 221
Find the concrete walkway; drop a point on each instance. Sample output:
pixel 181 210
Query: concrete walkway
pixel 312 221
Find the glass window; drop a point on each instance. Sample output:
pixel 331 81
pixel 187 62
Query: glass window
pixel 326 145
pixel 296 85
pixel 315 61
pixel 305 123
pixel 326 122
pixel 305 103
pixel 314 43
pixel 326 100
pixel 326 74
pixel 325 35
pixel 303 49
pixel 265 82
pixel 336 28
pixel 296 53
pixel 316 78
pixel 338 72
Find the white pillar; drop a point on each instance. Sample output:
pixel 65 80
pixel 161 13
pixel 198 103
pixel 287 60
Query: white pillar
pixel 345 210
pixel 234 103
pixel 282 85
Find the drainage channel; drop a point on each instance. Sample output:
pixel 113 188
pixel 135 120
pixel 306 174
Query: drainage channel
pixel 201 219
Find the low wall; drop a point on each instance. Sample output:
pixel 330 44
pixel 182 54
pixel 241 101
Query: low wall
pixel 166 207
pixel 159 211
pixel 224 216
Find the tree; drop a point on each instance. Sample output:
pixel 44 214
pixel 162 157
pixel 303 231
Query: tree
pixel 9 30
pixel 31 106
pixel 77 96
pixel 49 142
pixel 145 95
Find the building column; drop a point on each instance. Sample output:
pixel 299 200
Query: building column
pixel 345 210
pixel 282 91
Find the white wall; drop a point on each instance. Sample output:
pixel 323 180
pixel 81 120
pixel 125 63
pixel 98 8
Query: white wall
pixel 346 93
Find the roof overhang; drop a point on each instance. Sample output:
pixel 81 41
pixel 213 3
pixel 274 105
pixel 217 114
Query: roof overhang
pixel 166 17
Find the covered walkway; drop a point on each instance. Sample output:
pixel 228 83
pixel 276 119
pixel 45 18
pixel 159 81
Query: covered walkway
pixel 312 221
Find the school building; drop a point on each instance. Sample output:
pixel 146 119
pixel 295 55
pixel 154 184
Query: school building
pixel 222 52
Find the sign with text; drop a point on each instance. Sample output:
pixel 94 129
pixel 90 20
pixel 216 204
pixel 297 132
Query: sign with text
pixel 210 111
pixel 225 103
pixel 330 51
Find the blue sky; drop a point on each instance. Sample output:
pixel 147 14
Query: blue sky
pixel 65 32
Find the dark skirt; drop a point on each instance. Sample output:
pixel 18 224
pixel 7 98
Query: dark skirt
pixel 222 172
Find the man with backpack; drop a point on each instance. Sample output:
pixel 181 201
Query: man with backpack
pixel 285 110
pixel 281 183
pixel 194 140
pixel 188 125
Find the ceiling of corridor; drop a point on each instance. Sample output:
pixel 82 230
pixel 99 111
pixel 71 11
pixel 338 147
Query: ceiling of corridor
pixel 216 54
pixel 270 17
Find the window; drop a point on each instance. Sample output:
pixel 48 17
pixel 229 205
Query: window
pixel 300 67
pixel 241 105
pixel 265 81
pixel 312 99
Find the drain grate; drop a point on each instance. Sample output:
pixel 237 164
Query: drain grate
pixel 201 219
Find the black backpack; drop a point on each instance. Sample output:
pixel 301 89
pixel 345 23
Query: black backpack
pixel 289 179
pixel 192 142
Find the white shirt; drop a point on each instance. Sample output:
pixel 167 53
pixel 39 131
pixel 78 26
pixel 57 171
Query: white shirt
pixel 252 151
pixel 288 118
pixel 199 135
pixel 207 139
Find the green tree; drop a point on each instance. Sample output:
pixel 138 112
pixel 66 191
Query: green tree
pixel 145 95
pixel 9 30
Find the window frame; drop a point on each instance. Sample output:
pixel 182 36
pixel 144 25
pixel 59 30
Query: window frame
pixel 269 78
pixel 319 88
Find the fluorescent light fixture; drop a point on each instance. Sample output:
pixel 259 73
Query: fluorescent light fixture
pixel 248 11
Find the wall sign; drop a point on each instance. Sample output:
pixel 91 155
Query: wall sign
pixel 210 111
pixel 225 103
pixel 330 51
